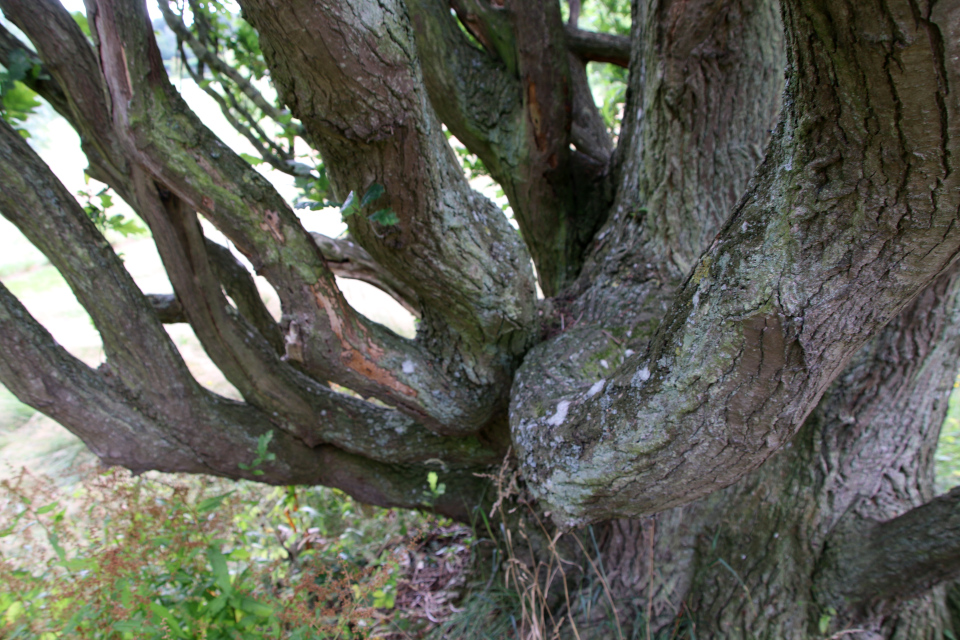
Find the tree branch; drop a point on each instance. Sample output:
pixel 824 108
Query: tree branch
pixel 216 64
pixel 167 307
pixel 186 159
pixel 46 84
pixel 707 78
pixel 241 288
pixel 592 46
pixel 360 97
pixel 347 259
pixel 519 113
pixel 141 356
pixel 883 563
pixel 199 433
pixel 823 250
pixel 587 129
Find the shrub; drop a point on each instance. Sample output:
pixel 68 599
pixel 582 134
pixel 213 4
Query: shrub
pixel 177 557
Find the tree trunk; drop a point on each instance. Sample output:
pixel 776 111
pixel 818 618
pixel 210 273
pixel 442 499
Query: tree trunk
pixel 721 315
pixel 756 560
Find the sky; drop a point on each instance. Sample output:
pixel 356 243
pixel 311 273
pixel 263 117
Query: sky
pixel 77 5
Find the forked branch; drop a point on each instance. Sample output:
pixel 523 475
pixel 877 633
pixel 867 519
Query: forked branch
pixel 148 127
pixel 888 562
pixel 833 238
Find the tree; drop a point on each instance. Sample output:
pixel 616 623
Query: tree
pixel 746 272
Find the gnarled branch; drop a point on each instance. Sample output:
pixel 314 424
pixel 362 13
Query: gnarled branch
pixel 347 259
pixel 198 432
pixel 189 162
pixel 883 563
pixel 592 46
pixel 778 303
pixel 241 288
pixel 558 196
pixel 141 356
pixel 351 73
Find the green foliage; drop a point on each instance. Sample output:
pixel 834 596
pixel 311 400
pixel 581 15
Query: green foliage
pixel 17 101
pixel 97 205
pixel 823 624
pixel 314 191
pixel 263 455
pixel 385 217
pixel 948 449
pixel 234 36
pixel 164 557
pixel 81 19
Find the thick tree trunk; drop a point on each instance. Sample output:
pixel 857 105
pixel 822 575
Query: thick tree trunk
pixel 694 344
pixel 759 559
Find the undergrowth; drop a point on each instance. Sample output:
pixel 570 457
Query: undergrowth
pixel 200 558
pixel 187 557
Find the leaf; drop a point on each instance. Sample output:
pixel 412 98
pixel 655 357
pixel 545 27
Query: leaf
pixel 221 574
pixel 374 191
pixel 386 217
pixel 127 626
pixel 210 504
pixel 13 612
pixel 349 206
pixel 253 160
pixel 167 616
pixel 17 65
pixel 9 530
pixel 55 543
pixel 263 442
pixel 80 564
pixel 81 19
pixel 48 508
pixel 240 554
pixel 254 607
pixel 217 604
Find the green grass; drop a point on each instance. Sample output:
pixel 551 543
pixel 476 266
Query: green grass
pixel 35 281
pixel 948 449
pixel 13 413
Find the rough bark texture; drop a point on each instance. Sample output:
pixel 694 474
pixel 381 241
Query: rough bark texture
pixel 740 371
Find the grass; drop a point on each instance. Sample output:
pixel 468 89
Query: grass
pixel 948 449
pixel 13 413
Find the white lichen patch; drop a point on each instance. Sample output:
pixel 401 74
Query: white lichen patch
pixel 408 366
pixel 641 376
pixel 557 419
pixel 596 388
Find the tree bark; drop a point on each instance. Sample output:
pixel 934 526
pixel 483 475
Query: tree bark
pixel 706 310
pixel 821 533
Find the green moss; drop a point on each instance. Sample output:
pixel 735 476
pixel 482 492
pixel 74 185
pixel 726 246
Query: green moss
pixel 702 270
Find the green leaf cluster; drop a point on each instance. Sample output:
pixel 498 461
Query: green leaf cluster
pixel 17 101
pixel 263 455
pixel 385 217
pixel 97 205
